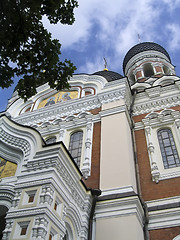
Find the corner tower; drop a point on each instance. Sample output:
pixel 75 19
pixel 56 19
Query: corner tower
pixel 146 60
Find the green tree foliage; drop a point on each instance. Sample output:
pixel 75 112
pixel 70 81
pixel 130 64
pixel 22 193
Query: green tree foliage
pixel 28 46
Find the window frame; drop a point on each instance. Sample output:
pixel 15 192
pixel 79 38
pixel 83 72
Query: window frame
pixel 80 149
pixel 151 124
pixel 168 148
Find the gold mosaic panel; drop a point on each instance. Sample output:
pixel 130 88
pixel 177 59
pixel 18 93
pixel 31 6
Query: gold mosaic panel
pixel 7 168
pixel 62 96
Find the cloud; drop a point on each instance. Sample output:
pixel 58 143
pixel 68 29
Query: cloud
pixel 172 4
pixel 92 66
pixel 119 23
pixel 174 36
pixel 114 27
pixel 112 17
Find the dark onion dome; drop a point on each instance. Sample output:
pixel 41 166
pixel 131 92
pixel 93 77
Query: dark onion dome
pixel 109 75
pixel 142 47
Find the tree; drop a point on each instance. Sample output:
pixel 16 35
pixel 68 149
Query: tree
pixel 26 47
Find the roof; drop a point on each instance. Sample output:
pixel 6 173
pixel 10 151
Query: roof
pixel 141 47
pixel 109 75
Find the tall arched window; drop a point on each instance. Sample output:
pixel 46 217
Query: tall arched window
pixel 148 70
pixel 75 146
pixel 168 148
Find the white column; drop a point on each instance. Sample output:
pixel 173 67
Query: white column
pixel 86 169
pixel 154 168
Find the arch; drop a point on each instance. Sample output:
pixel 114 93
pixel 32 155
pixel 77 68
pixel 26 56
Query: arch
pixel 75 146
pixel 165 80
pixel 70 118
pixel 148 70
pixel 176 238
pixel 152 115
pixel 18 142
pixel 166 70
pixel 45 124
pixel 83 114
pixel 140 86
pixel 166 112
pixel 57 121
pixel 51 140
pixel 168 148
pixel 69 233
pixel 7 195
pixel 3 211
pixel 11 154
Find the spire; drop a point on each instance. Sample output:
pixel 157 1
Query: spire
pixel 139 38
pixel 105 65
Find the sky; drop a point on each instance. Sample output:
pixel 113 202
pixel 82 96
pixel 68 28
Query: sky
pixel 109 29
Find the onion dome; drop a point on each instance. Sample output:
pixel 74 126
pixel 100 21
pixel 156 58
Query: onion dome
pixel 146 60
pixel 142 47
pixel 109 75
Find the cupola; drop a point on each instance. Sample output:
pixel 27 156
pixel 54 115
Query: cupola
pixel 109 75
pixel 146 60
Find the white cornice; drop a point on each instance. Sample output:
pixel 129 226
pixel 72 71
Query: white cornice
pixel 120 207
pixel 157 98
pixel 158 119
pixel 164 218
pixel 75 106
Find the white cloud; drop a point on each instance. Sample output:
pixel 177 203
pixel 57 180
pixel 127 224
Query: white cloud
pixel 92 66
pixel 174 36
pixel 113 17
pixel 118 24
pixel 172 4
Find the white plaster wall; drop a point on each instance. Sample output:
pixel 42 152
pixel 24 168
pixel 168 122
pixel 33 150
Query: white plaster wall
pixel 124 228
pixel 116 163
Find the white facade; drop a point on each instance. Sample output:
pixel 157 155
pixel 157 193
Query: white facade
pixel 49 197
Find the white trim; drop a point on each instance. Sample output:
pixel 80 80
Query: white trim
pixel 117 190
pixel 176 238
pixel 154 121
pixel 164 218
pixel 120 207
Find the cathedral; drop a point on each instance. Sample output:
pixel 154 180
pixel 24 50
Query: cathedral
pixel 99 161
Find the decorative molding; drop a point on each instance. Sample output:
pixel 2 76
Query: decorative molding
pixel 86 168
pixel 15 142
pixel 121 190
pixel 63 111
pixel 46 195
pixel 40 228
pixel 16 198
pixel 164 218
pixel 151 123
pixel 154 168
pixel 7 231
pixel 57 163
pixel 157 97
pixel 120 207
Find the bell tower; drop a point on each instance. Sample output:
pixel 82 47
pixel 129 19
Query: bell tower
pixel 146 60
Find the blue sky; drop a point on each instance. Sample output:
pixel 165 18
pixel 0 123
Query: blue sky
pixel 109 29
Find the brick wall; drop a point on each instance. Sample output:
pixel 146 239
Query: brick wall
pixel 164 234
pixel 93 180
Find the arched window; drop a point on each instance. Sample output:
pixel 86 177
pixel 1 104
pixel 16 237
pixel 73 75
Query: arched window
pixel 51 140
pixel 168 148
pixel 166 70
pixel 75 146
pixel 148 70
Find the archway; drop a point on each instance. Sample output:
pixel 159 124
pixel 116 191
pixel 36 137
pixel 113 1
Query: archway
pixel 3 211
